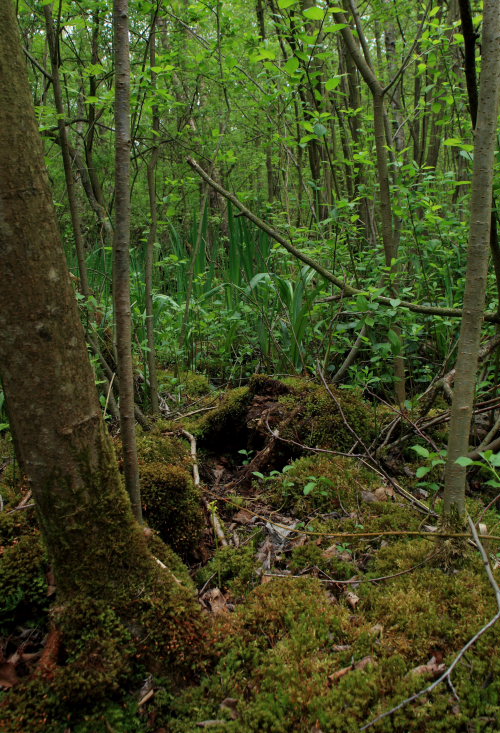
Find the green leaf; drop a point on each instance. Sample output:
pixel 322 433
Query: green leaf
pixel 394 341
pixel 464 461
pixel 420 450
pixel 422 471
pixel 291 65
pixel 284 4
pixel 310 486
pixel 335 27
pixel 332 83
pixel 395 302
pixel 258 474
pixel 314 13
pixel 494 459
pixel 320 129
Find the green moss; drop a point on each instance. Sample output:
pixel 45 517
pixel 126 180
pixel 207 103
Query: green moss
pixel 168 557
pixel 23 586
pixel 311 555
pixel 337 483
pixel 15 524
pixel 189 385
pixel 226 423
pixel 231 568
pixel 172 505
pixel 324 422
pixel 154 446
pixel 98 663
pixel 428 608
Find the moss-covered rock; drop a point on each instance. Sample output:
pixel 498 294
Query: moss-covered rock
pixel 155 445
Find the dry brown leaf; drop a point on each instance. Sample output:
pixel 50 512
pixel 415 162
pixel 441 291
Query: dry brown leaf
pixel 230 704
pixel 363 663
pixel 351 598
pixel 384 492
pixel 433 668
pixel 316 728
pixel 339 673
pixel 368 496
pixel 331 551
pixel 215 600
pixel 243 517
pixel 51 582
pixel 8 675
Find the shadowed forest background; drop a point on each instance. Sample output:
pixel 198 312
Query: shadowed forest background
pixel 250 263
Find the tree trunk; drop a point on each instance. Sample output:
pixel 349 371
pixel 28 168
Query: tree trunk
pixel 62 444
pixel 153 228
pixel 477 261
pixel 63 136
pixel 121 249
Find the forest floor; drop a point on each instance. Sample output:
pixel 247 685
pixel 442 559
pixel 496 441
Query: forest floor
pixel 328 594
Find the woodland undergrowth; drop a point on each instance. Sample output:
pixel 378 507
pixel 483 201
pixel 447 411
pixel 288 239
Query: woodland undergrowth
pixel 326 594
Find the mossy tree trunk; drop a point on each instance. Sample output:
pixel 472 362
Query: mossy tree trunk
pixel 96 546
pixel 477 261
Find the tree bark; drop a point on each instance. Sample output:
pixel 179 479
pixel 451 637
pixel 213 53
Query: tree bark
pixel 121 250
pixel 477 261
pixel 61 442
pixel 153 228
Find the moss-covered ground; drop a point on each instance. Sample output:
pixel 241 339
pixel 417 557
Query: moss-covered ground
pixel 318 615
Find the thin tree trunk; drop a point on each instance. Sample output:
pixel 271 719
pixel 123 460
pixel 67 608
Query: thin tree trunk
pixel 477 261
pixel 63 135
pixel 94 544
pixel 121 249
pixel 151 175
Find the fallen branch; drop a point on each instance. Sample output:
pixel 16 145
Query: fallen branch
pixel 214 519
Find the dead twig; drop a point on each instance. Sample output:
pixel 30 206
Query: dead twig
pixel 214 519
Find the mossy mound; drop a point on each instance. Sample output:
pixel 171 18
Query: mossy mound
pixel 164 553
pixel 300 412
pixel 319 483
pixel 171 502
pixel 102 655
pixel 293 658
pixel 224 428
pixel 23 585
pixel 333 419
pixel 172 505
pixel 154 446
